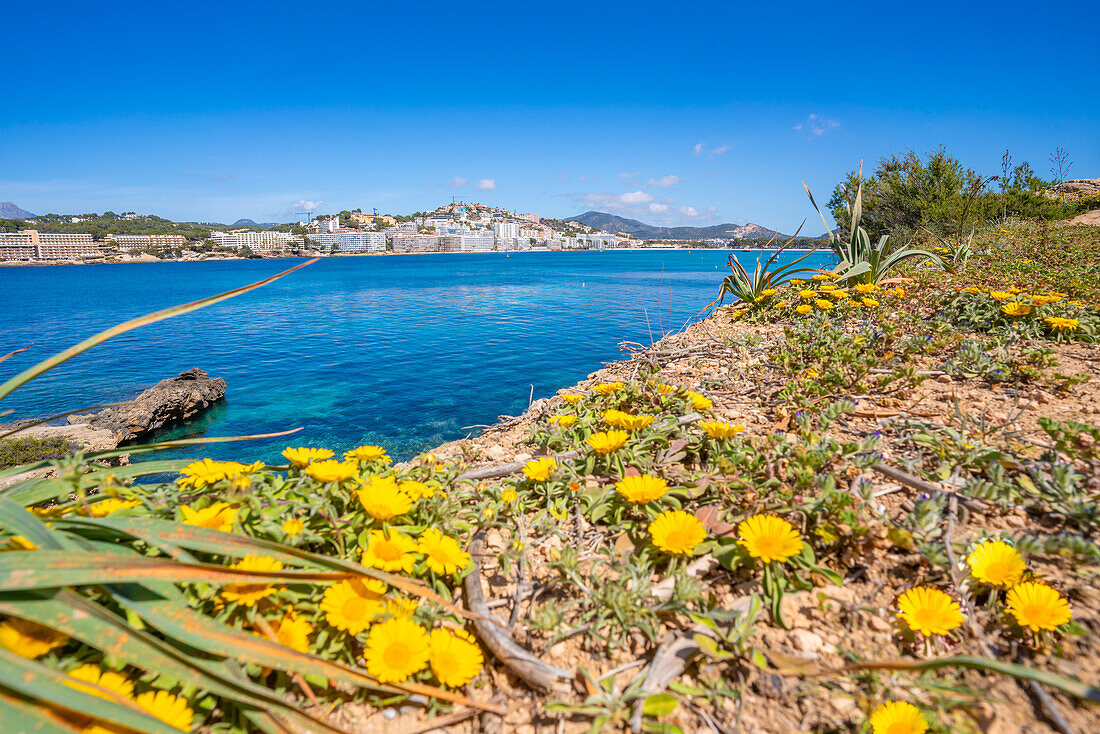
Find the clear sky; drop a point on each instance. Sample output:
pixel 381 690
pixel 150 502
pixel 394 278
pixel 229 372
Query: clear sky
pixel 672 113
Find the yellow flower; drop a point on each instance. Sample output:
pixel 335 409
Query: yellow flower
pixel 455 658
pixel 332 470
pixel 1060 324
pixel 396 649
pixel 509 495
pixel 417 490
pixel 782 304
pixel 839 294
pixel 563 420
pixel 607 441
pixel 797 281
pixel 678 532
pixel 1037 606
pixel 640 489
pixel 539 470
pixel 606 388
pixel 865 288
pixel 402 607
pixel 218 516
pixel 997 563
pixel 720 429
pixel 294 632
pixel 823 304
pixel 205 473
pixel 804 309
pixel 898 717
pixel 300 457
pixel 742 311
pixel 769 538
pixel 294 526
pixel 442 553
pixel 929 611
pixel 899 292
pixel 117 683
pixel 351 605
pixel 247 594
pixel 699 402
pixel 1015 308
pixel 1000 295
pixel 383 499
pixel 769 292
pixel 1040 300
pixel 28 639
pixel 662 389
pixel 807 294
pixel 572 397
pixel 172 710
pixel 820 276
pixel 827 287
pixel 636 422
pixel 18 543
pixel 870 302
pixel 106 507
pixel 369 454
pixel 389 550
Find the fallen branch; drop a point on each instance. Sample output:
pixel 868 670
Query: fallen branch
pixel 521 662
pixel 924 486
pixel 667 665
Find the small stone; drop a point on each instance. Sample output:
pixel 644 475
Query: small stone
pixel 878 624
pixel 806 641
pixel 523 457
pixel 945 379
pixel 494 452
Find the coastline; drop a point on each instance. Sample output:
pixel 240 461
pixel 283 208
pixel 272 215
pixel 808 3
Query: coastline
pixel 289 256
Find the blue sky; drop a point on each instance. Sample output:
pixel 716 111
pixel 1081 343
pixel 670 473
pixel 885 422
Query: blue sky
pixel 673 114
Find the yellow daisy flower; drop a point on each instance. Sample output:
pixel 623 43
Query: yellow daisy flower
pixel 662 389
pixel 389 550
pixel 509 495
pixel 996 563
pixel 929 611
pixel 606 388
pixel 172 710
pixel 677 532
pixel 539 470
pixel 454 656
pixel 351 605
pixel 563 420
pixel 294 632
pixel 247 594
pixel 301 457
pixel 1037 606
pixel 383 499
pixel 417 490
pixel 369 454
pixel 721 429
pixel 396 649
pixel 699 402
pixel 117 683
pixel 29 639
pixel 442 553
pixel 1015 308
pixel 823 304
pixel 607 441
pixel 838 294
pixel 1000 295
pixel 898 717
pixel 109 506
pixel 332 470
pixel 642 488
pixel 1060 324
pixel 807 294
pixel 769 538
pixel 404 607
pixel 820 276
pixel 572 398
pixel 218 516
pixel 804 309
pixel 869 302
pixel 865 288
pixel 294 526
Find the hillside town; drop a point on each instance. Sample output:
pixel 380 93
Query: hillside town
pixel 454 228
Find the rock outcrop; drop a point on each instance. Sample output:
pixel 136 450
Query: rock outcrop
pixel 1080 186
pixel 165 404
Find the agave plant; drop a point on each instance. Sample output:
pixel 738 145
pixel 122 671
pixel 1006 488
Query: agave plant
pixel 108 588
pixel 748 287
pixel 860 260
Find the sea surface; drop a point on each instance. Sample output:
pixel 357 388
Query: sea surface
pixel 405 351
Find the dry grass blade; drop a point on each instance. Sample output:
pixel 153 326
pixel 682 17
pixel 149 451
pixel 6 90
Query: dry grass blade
pixel 48 364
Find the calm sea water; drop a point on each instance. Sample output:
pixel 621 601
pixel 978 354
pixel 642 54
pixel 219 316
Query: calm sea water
pixel 402 351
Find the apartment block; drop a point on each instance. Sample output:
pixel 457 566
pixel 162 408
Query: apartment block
pixel 30 244
pixel 415 243
pixel 147 241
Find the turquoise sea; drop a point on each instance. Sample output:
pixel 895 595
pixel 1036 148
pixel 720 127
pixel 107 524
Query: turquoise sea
pixel 403 351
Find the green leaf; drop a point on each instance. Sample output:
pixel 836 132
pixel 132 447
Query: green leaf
pixel 660 704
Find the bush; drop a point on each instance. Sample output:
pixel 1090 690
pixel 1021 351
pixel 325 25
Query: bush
pixel 17 451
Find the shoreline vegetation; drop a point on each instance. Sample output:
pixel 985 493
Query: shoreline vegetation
pixel 856 499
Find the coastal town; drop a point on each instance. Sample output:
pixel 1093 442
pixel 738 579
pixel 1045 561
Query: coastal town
pixel 457 227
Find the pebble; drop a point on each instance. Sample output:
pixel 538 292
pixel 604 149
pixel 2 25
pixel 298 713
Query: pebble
pixel 945 379
pixel 494 452
pixel 806 641
pixel 523 457
pixel 878 624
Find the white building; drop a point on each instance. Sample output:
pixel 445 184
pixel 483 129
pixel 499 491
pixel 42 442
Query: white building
pixel 263 241
pixel 506 230
pixel 407 243
pixel 472 242
pixel 30 244
pixel 147 241
pixel 350 240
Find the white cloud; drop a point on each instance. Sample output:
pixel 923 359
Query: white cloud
pixel 644 206
pixel 816 126
pixel 590 178
pixel 688 211
pixel 700 149
pixel 634 197
pixel 656 208
pixel 304 205
pixel 457 182
pixel 626 174
pixel 486 184
pixel 664 181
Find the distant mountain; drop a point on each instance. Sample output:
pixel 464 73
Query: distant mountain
pixel 611 223
pixel 8 210
pixel 244 223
